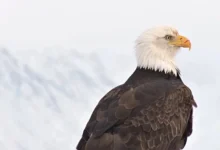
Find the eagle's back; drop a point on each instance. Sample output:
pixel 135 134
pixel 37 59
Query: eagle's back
pixel 150 111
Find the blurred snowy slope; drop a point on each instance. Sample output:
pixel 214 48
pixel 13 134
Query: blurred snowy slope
pixel 43 96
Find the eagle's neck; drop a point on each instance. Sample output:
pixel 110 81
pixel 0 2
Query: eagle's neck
pixel 141 76
pixel 156 59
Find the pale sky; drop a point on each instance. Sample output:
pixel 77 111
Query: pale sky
pixel 97 24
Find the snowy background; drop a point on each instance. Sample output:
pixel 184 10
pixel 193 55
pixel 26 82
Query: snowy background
pixel 58 58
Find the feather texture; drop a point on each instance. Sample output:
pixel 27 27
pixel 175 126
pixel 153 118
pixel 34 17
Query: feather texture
pixel 150 111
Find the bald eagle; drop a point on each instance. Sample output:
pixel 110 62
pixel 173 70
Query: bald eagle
pixel 153 108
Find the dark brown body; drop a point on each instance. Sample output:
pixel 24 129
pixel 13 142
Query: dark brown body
pixel 150 111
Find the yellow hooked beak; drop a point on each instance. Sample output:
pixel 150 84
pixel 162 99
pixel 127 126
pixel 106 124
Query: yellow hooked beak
pixel 181 41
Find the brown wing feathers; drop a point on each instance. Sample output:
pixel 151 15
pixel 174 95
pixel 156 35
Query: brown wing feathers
pixel 143 118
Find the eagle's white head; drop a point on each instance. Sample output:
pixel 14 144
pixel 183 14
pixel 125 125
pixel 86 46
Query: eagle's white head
pixel 156 48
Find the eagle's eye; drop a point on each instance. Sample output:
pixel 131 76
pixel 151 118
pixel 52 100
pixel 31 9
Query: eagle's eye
pixel 168 37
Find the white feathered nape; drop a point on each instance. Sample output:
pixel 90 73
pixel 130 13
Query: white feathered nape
pixel 154 52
